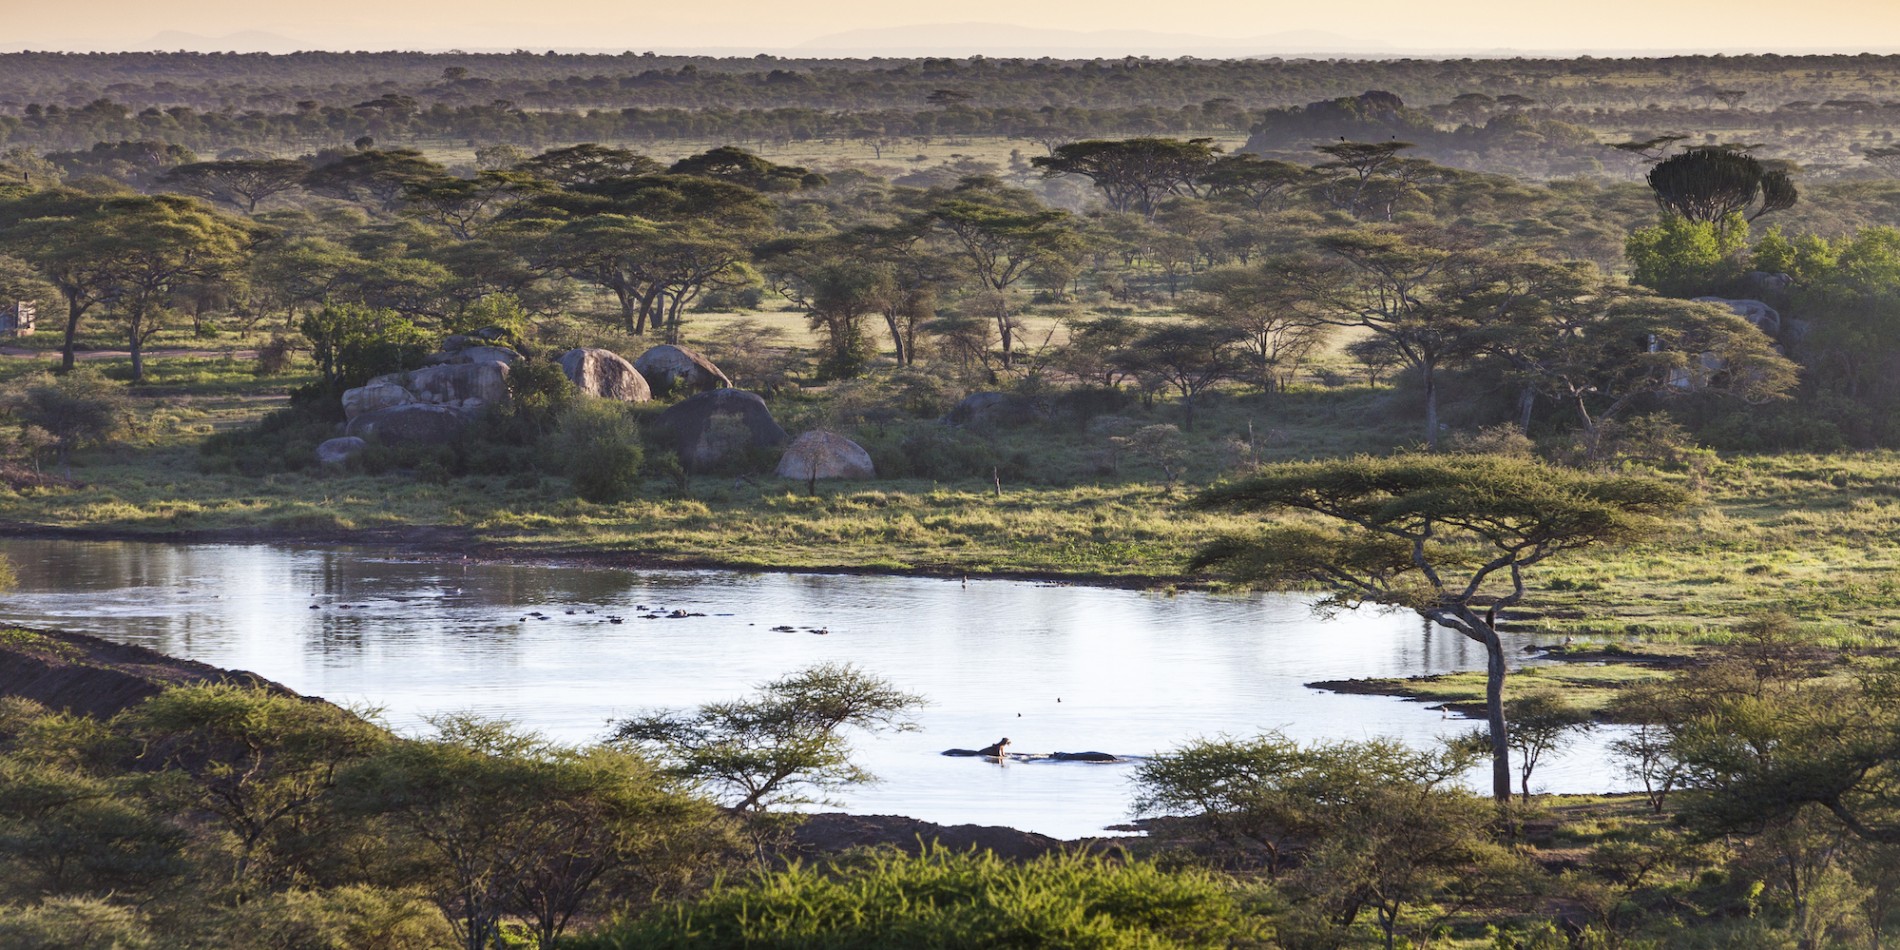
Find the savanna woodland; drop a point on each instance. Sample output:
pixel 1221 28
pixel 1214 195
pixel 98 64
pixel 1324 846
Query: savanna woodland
pixel 1605 352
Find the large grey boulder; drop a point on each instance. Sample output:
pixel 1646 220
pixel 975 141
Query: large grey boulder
pixel 1765 318
pixel 668 368
pixel 373 397
pixel 414 422
pixel 718 427
pixel 821 454
pixel 341 450
pixel 991 410
pixel 604 373
pixel 458 385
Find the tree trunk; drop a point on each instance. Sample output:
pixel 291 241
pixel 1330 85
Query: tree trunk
pixel 74 310
pixel 627 309
pixel 1431 406
pixel 136 344
pixel 1494 715
pixel 1526 402
pixel 1003 330
pixel 897 339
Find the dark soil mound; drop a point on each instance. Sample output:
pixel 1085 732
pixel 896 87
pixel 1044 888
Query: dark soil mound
pixel 94 677
pixel 832 832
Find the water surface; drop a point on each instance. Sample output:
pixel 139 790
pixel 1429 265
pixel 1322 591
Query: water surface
pixel 1054 668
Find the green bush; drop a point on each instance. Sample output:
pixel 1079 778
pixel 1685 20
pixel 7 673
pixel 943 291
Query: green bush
pixel 945 899
pixel 599 445
pixel 344 918
pixel 72 924
pixel 351 344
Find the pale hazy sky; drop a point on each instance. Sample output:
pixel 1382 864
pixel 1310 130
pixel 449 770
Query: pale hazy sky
pixel 1732 25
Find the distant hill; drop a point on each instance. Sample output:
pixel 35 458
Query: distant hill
pixel 1000 39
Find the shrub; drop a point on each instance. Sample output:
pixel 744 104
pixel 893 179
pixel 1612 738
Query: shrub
pixel 935 452
pixel 273 358
pixel 351 344
pixel 599 443
pixel 78 409
pixel 944 899
pixel 1507 440
pixel 72 924
pixel 345 918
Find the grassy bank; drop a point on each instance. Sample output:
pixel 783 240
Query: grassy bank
pixel 1815 535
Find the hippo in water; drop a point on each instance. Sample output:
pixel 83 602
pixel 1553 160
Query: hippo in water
pixel 995 751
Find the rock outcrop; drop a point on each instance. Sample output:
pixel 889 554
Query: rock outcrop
pixel 821 454
pixel 459 385
pixel 1765 318
pixel 374 396
pixel 719 427
pixel 605 374
pixel 668 368
pixel 340 450
pixel 468 386
pixel 416 422
pixel 431 404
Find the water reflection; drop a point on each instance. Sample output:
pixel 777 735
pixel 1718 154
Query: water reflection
pixel 1133 672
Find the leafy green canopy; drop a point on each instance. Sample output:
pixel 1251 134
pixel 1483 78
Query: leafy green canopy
pixel 1424 532
pixel 785 746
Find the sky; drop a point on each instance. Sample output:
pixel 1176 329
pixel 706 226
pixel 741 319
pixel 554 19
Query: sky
pixel 778 26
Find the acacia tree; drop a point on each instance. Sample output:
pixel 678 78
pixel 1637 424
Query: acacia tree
pixel 464 205
pixel 154 248
pixel 1449 537
pixel 588 163
pixel 837 293
pixel 511 823
pixel 611 252
pixel 241 183
pixel 999 246
pixel 373 176
pixel 1189 357
pixel 262 762
pixel 1133 174
pixel 1608 349
pixel 1886 158
pixel 57 231
pixel 1714 184
pixel 1260 184
pixel 1401 285
pixel 1266 317
pixel 128 251
pixel 786 746
pixel 1362 178
pixel 686 260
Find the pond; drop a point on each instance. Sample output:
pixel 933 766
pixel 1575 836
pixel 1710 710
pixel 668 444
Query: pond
pixel 1054 668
